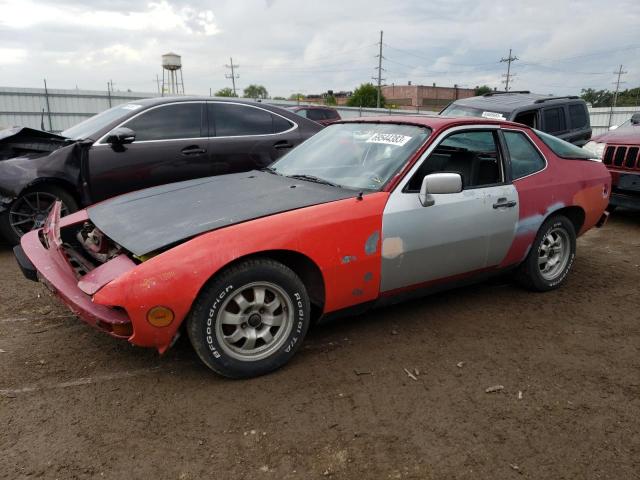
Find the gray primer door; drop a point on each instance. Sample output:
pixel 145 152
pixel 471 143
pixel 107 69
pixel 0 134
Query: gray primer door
pixel 460 233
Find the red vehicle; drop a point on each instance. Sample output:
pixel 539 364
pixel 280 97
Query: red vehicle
pixel 619 149
pixel 365 213
pixel 322 115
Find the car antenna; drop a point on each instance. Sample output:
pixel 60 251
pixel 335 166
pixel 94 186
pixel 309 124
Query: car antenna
pixel 359 197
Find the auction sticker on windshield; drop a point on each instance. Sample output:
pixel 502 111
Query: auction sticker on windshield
pixel 493 115
pixel 389 139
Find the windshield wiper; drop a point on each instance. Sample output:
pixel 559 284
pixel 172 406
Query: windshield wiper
pixel 270 170
pixel 314 179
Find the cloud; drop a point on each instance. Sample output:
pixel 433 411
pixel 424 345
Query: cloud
pixel 288 46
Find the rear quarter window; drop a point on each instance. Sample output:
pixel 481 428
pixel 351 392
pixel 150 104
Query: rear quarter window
pixel 524 156
pixel 563 149
pixel 578 116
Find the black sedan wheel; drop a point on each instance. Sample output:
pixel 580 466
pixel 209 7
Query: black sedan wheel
pixel 30 210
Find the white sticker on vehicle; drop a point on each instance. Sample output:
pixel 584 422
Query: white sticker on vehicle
pixel 493 115
pixel 131 106
pixel 389 139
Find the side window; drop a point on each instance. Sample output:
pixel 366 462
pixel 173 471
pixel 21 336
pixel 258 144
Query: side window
pixel 578 116
pixel 554 121
pixel 316 115
pixel 179 120
pixel 472 154
pixel 529 118
pixel 280 124
pixel 525 158
pixel 233 120
pixel 302 113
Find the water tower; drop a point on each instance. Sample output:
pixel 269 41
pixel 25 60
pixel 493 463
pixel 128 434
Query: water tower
pixel 172 68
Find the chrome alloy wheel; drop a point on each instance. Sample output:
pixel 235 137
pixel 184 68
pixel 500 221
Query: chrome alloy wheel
pixel 255 321
pixel 31 210
pixel 554 253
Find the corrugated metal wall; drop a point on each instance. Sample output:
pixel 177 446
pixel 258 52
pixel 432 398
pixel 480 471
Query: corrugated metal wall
pixel 600 117
pixel 25 107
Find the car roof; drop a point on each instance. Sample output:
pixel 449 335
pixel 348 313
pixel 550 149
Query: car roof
pixel 435 122
pixel 148 102
pixel 508 102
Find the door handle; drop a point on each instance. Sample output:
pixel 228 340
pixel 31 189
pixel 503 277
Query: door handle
pixel 193 150
pixel 503 203
pixel 281 145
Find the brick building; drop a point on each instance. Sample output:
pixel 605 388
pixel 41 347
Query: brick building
pixel 423 97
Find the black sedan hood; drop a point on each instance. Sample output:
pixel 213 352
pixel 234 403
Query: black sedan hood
pixel 157 217
pixel 18 141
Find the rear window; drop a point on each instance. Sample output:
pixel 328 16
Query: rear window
pixel 563 149
pixel 578 116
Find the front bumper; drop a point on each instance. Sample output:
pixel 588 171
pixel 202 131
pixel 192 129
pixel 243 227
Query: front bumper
pixel 49 265
pixel 631 201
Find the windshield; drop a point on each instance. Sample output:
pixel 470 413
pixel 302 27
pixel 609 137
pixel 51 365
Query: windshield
pixel 563 149
pixel 92 125
pixel 361 156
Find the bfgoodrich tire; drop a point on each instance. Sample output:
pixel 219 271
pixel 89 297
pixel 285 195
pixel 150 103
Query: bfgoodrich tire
pixel 551 257
pixel 250 320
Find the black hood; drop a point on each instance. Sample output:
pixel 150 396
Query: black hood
pixel 157 217
pixel 18 141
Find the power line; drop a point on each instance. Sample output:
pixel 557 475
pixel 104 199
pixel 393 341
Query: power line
pixel 509 75
pixel 233 75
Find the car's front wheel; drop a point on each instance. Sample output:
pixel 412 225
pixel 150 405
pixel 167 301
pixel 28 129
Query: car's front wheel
pixel 30 210
pixel 551 256
pixel 250 320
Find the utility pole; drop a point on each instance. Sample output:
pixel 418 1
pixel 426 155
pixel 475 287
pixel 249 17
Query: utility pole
pixel 617 83
pixel 109 93
pixel 380 69
pixel 158 82
pixel 508 76
pixel 46 96
pixel 233 75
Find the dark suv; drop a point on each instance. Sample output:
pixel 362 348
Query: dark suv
pixel 563 117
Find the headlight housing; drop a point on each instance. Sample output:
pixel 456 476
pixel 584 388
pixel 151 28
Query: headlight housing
pixel 595 148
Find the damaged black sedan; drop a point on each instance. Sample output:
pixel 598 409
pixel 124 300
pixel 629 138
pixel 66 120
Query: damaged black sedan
pixel 137 145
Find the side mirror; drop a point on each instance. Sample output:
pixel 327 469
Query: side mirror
pixel 613 127
pixel 438 183
pixel 121 136
pixel 635 119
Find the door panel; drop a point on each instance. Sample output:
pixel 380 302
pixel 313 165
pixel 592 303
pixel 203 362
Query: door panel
pixel 245 138
pixel 460 233
pixel 161 153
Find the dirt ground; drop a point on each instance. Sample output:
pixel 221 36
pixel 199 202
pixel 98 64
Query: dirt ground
pixel 75 403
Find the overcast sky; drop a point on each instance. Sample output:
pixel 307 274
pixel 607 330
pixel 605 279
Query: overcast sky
pixel 305 46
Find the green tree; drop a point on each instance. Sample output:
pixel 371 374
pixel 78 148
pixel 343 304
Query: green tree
pixel 296 96
pixel 482 90
pixel 365 95
pixel 597 98
pixel 279 98
pixel 330 100
pixel 256 91
pixel 225 92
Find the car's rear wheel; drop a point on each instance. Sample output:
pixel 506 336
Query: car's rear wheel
pixel 30 210
pixel 250 320
pixel 551 256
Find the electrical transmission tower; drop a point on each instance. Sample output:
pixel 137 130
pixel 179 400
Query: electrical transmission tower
pixel 233 75
pixel 617 83
pixel 379 78
pixel 509 75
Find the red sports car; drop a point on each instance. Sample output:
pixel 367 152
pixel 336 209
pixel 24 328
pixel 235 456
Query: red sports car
pixel 364 213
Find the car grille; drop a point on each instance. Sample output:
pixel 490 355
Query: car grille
pixel 622 156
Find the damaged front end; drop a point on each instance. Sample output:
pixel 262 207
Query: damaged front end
pixel 75 260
